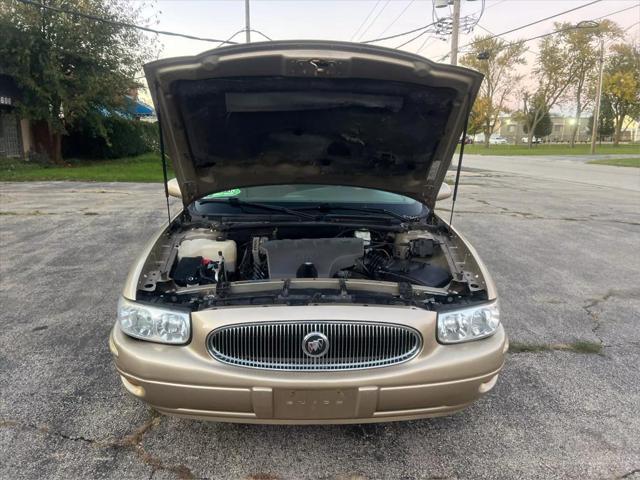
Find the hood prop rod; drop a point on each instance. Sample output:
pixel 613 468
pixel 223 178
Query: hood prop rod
pixel 464 141
pixel 164 167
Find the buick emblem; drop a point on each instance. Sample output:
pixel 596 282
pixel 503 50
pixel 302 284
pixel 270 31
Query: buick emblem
pixel 315 344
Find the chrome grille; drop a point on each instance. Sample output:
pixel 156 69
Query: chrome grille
pixel 278 345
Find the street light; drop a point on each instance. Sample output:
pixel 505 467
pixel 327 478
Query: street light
pixel 596 109
pixel 587 24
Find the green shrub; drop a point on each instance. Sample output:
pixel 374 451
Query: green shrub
pixel 124 138
pixel 150 136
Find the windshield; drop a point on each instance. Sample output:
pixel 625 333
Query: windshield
pixel 301 196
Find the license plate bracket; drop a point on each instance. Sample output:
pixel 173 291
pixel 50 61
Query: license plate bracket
pixel 315 404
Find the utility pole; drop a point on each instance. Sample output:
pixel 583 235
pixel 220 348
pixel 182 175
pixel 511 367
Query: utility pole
pixel 247 21
pixel 596 109
pixel 454 32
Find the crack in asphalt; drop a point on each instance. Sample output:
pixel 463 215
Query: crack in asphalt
pixel 511 213
pixel 595 329
pixel 533 216
pixel 85 191
pixel 45 430
pixel 132 441
pixel 37 213
pixel 595 302
pixel 508 211
pixel 30 213
pixel 596 322
pixel 582 348
pixel 632 472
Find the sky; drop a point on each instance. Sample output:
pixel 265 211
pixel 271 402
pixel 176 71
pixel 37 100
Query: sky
pixel 345 20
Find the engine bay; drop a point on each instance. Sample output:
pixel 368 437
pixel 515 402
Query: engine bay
pixel 199 267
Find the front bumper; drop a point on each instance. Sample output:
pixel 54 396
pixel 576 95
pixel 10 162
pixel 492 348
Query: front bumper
pixel 186 381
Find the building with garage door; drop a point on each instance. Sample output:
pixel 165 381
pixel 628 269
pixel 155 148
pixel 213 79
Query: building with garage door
pixel 16 137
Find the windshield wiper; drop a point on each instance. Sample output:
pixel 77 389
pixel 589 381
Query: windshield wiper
pixel 235 202
pixel 327 208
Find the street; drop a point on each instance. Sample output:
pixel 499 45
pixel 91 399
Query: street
pixel 572 169
pixel 560 238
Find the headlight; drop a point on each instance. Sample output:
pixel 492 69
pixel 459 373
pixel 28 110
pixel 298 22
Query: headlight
pixel 468 324
pixel 154 324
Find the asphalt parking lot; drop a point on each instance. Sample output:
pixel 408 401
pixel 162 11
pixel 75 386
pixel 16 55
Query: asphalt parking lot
pixel 564 254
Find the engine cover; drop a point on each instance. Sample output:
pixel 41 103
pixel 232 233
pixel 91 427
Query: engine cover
pixel 292 258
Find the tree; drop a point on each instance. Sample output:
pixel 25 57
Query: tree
pixel 583 46
pixel 621 86
pixel 71 69
pixel 606 127
pixel 606 122
pixel 543 127
pixel 555 71
pixel 476 117
pixel 496 59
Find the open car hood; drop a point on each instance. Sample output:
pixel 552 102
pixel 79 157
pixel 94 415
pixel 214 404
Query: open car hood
pixel 310 112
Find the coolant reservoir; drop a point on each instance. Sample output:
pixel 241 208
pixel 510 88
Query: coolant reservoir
pixel 204 247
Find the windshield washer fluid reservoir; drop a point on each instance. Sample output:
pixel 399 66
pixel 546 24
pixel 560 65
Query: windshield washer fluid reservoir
pixel 206 248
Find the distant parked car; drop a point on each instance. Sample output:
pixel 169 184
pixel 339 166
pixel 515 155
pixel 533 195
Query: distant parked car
pixel 533 140
pixel 497 140
pixel 467 140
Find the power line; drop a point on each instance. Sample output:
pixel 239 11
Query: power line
pixel 399 34
pixel 374 19
pixel 497 35
pixel 404 10
pixel 616 12
pixel 548 34
pixel 429 39
pixel 402 34
pixel 527 25
pixel 573 27
pixel 630 27
pixel 412 39
pixel 228 40
pixel 365 20
pixel 495 4
pixel 117 23
pixel 541 20
pixel 527 40
pixel 261 34
pixel 486 30
pixel 445 24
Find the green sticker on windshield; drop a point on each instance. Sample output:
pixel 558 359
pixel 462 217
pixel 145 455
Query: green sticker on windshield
pixel 234 192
